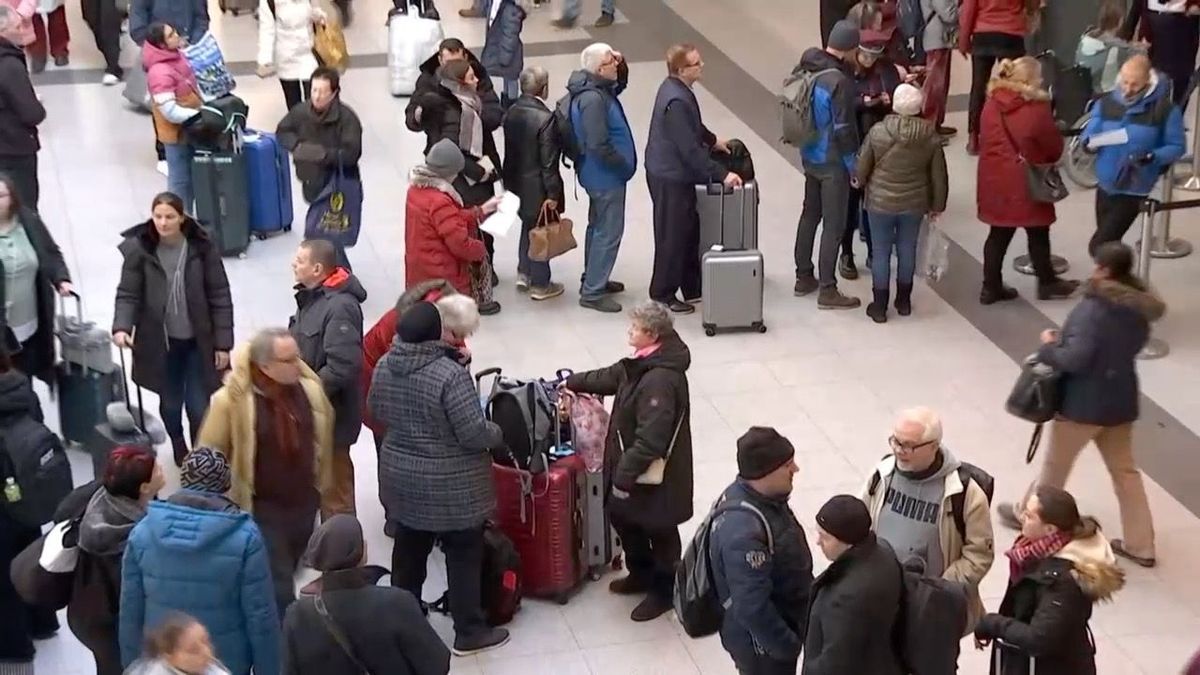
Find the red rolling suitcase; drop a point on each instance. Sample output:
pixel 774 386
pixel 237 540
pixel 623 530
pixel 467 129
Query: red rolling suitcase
pixel 542 515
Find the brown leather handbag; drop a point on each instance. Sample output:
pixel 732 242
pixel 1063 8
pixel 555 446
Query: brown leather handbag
pixel 551 236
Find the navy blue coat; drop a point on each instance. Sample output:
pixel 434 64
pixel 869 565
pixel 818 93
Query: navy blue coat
pixel 1154 125
pixel 1097 349
pixel 834 113
pixel 503 52
pixel 679 146
pixel 609 156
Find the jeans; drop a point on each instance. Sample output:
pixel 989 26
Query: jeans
pixel 650 555
pixel 286 531
pixel 23 170
pixel 295 92
pixel 826 196
pixel 676 240
pixel 185 389
pixel 1115 214
pixel 464 571
pixel 894 229
pixel 179 172
pixel 537 271
pixel 571 8
pixel 602 241
pixel 996 246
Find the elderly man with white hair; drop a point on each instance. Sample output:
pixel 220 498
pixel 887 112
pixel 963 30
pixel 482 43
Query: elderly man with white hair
pixel 931 506
pixel 607 161
pixel 20 112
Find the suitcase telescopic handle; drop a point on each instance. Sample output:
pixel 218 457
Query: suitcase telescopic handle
pixel 62 305
pixel 485 373
pixel 125 380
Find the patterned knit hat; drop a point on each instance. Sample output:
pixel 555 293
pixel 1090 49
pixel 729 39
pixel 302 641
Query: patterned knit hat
pixel 206 470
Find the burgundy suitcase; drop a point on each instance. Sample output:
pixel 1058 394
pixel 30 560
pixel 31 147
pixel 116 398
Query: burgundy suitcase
pixel 542 515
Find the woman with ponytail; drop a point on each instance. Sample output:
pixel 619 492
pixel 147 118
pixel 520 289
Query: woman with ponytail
pixel 1016 128
pixel 1059 567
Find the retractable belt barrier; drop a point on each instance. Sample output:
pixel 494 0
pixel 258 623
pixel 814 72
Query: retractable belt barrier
pixel 1157 348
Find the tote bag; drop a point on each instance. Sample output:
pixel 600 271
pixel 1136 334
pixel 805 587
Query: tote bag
pixel 329 46
pixel 336 213
pixel 551 236
pixel 213 78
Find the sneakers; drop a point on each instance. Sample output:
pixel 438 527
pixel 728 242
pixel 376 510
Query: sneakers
pixel 109 79
pixel 988 296
pixel 161 167
pixel 488 639
pixel 614 287
pixel 877 310
pixel 563 23
pixel 522 282
pixel 629 585
pixel 551 290
pixel 62 60
pixel 694 301
pixel 805 285
pixel 651 608
pixel 904 299
pixel 489 308
pixel 1057 289
pixel 679 307
pixel 832 298
pixel 847 268
pixel 604 21
pixel 601 304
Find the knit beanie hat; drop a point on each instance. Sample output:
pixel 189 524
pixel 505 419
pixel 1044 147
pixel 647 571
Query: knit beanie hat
pixel 336 545
pixel 846 518
pixel 760 451
pixel 421 323
pixel 908 100
pixel 844 36
pixel 445 159
pixel 206 470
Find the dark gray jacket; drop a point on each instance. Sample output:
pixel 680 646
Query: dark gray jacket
pixel 328 326
pixel 903 167
pixel 679 146
pixel 532 153
pixel 1097 352
pixel 503 51
pixel 20 110
pixel 333 137
pixel 767 591
pixel 435 471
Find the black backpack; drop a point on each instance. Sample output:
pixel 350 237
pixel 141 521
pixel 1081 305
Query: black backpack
pixel 33 458
pixel 501 579
pixel 931 622
pixel 967 473
pixel 696 603
pixel 566 130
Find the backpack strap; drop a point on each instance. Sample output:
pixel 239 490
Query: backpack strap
pixel 743 505
pixel 336 633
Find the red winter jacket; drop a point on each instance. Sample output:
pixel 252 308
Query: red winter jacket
pixel 440 237
pixel 991 16
pixel 1001 191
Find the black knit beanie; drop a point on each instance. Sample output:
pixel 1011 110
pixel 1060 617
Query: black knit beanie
pixel 846 518
pixel 421 323
pixel 760 451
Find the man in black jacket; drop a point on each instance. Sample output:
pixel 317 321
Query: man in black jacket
pixel 532 151
pixel 450 49
pixel 20 113
pixel 678 157
pixel 856 600
pixel 763 578
pixel 328 327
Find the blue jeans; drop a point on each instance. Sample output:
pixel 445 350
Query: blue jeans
pixel 900 230
pixel 179 172
pixel 185 388
pixel 571 8
pixel 538 272
pixel 602 241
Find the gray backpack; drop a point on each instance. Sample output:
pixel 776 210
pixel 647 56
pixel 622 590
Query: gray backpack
pixel 796 106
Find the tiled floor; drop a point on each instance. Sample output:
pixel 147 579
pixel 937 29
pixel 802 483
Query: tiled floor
pixel 830 381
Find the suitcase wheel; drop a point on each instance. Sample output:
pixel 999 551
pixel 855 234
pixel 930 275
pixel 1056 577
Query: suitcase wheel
pixel 562 598
pixel 242 255
pixel 618 563
pixel 287 228
pixel 760 327
pixel 710 330
pixel 261 236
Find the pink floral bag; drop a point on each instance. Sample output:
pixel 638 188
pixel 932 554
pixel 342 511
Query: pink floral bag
pixel 589 426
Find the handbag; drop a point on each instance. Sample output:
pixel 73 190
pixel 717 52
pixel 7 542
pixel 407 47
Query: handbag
pixel 338 636
pixel 1035 398
pixel 480 274
pixel 336 213
pixel 1043 181
pixel 551 236
pixel 329 46
pixel 653 475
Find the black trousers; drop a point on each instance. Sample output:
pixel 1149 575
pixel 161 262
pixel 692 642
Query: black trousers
pixel 650 554
pixel 23 169
pixel 295 91
pixel 986 50
pixel 1173 50
pixel 286 532
pixel 826 196
pixel 21 621
pixel 676 240
pixel 464 571
pixel 1115 214
pixel 996 246
pixel 761 664
pixel 104 20
pixel 856 219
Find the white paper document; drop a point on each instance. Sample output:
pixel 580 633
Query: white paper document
pixel 502 221
pixel 1115 137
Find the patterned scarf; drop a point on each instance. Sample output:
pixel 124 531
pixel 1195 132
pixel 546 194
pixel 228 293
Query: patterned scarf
pixel 1027 551
pixel 285 423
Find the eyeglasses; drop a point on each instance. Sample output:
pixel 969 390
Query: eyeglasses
pixel 900 446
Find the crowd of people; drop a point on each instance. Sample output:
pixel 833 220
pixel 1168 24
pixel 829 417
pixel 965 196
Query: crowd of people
pixel 203 581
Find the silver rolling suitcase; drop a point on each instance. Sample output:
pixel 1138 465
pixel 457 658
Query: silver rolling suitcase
pixel 601 547
pixel 732 277
pixel 738 227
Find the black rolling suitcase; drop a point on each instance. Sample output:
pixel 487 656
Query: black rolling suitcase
pixel 221 183
pixel 86 379
pixel 105 436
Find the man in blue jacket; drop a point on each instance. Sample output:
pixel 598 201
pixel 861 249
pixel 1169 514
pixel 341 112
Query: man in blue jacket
pixel 828 165
pixel 199 554
pixel 1141 106
pixel 678 157
pixel 762 578
pixel 607 161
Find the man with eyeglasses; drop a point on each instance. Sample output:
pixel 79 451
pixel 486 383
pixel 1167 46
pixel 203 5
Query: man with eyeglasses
pixel 678 157
pixel 932 507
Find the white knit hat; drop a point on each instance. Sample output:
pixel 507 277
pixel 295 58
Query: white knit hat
pixel 908 100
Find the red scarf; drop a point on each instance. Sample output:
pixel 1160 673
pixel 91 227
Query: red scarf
pixel 284 421
pixel 1025 551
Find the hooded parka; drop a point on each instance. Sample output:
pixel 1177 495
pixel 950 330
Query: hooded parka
pixel 1002 193
pixel 903 167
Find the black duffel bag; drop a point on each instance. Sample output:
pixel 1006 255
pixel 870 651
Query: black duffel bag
pixel 1035 398
pixel 737 160
pixel 219 124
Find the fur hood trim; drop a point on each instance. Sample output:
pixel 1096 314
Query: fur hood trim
pixel 1094 567
pixel 1025 91
pixel 422 177
pixel 1143 300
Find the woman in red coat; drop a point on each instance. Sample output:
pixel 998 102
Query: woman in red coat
pixel 441 236
pixel 1017 115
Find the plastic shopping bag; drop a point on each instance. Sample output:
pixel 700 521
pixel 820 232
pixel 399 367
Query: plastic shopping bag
pixel 933 252
pixel 212 75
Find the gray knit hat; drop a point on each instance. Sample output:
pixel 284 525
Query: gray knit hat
pixel 206 470
pixel 445 159
pixel 844 36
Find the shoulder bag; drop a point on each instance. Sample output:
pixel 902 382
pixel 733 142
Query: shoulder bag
pixel 338 636
pixel 1044 183
pixel 1035 398
pixel 551 236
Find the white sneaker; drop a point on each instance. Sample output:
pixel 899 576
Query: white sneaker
pixel 161 167
pixel 109 79
pixel 522 282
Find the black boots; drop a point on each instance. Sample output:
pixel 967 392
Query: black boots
pixel 180 448
pixel 904 299
pixel 877 310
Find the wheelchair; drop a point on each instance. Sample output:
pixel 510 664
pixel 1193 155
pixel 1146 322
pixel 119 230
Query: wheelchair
pixel 1072 94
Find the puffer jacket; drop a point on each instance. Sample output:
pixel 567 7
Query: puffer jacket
pixel 903 167
pixel 199 554
pixel 503 51
pixel 1045 612
pixel 168 72
pixel 441 237
pixel 287 42
pixel 1097 350
pixel 1154 126
pixel 22 35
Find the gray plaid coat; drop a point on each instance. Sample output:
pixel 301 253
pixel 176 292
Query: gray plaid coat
pixel 435 471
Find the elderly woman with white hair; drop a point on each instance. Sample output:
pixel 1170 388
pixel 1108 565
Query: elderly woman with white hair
pixel 902 168
pixel 648 454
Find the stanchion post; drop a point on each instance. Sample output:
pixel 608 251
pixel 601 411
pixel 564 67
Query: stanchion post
pixel 1192 182
pixel 1155 348
pixel 1163 246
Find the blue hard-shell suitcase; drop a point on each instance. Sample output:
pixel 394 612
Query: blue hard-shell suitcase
pixel 270 184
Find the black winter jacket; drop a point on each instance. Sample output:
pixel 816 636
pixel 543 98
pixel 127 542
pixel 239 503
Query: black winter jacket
pixel 679 146
pixel 20 110
pixel 768 592
pixel 651 407
pixel 503 51
pixel 1045 612
pixel 1097 352
pixel 532 154
pixel 384 625
pixel 428 82
pixel 323 140
pixel 855 605
pixel 141 304
pixel 52 271
pixel 328 327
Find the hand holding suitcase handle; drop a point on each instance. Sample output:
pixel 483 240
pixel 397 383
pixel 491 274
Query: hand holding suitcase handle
pixel 125 380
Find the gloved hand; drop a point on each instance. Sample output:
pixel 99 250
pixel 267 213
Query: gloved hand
pixel 1144 159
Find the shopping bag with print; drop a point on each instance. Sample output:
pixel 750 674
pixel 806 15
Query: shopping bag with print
pixel 336 213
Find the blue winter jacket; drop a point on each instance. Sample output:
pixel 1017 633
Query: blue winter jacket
pixel 1155 127
pixel 503 51
pixel 189 17
pixel 834 111
pixel 608 157
pixel 197 553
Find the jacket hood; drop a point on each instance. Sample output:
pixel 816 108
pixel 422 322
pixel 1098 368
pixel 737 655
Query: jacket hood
pixel 342 281
pixel 1144 301
pixel 431 64
pixel 887 466
pixel 16 395
pixel 152 56
pixel 405 358
pixel 673 355
pixel 1094 566
pixel 206 501
pixel 107 523
pixel 1012 95
pixel 816 59
pixel 1159 87
pixel 582 80
pixel 145 235
pixel 187 528
pixel 420 291
pixel 909 130
pixel 239 380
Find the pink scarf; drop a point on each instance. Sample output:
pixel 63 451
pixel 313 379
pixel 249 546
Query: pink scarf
pixel 1027 551
pixel 647 350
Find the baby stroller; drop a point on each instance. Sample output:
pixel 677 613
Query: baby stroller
pixel 1072 93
